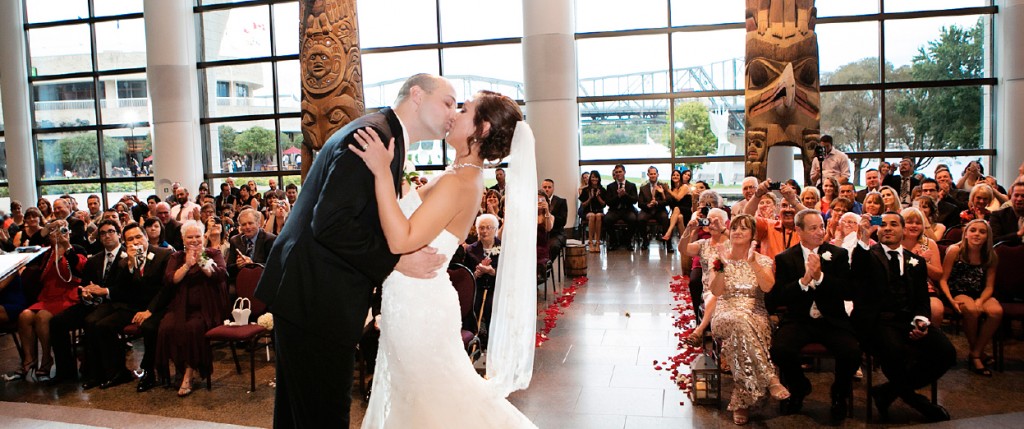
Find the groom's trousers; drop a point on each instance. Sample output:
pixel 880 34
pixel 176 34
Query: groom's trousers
pixel 314 379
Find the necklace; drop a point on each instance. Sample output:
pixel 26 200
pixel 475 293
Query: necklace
pixel 453 167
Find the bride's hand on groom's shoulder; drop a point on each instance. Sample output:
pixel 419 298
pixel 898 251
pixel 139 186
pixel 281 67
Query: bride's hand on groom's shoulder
pixel 421 264
pixel 371 149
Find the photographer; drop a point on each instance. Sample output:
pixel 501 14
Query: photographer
pixel 829 162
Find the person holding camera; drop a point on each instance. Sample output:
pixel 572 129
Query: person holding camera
pixel 829 162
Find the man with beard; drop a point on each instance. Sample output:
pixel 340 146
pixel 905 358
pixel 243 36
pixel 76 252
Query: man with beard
pixel 185 209
pixel 891 314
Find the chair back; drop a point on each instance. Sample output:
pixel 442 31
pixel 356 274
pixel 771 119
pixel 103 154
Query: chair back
pixel 953 234
pixel 465 285
pixel 1009 272
pixel 245 285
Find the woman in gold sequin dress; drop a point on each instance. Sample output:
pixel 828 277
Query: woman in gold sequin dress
pixel 740 279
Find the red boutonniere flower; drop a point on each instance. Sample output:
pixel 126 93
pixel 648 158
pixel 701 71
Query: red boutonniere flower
pixel 718 266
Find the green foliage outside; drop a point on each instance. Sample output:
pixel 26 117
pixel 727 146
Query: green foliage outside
pixel 693 131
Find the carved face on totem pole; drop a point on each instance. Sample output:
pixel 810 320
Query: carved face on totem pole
pixel 332 82
pixel 782 88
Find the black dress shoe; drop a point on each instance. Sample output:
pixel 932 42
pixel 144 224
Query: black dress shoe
pixel 793 405
pixel 148 381
pixel 89 384
pixel 838 412
pixel 119 379
pixel 883 398
pixel 931 412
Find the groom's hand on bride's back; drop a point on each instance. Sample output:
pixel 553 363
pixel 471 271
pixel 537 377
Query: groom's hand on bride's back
pixel 421 264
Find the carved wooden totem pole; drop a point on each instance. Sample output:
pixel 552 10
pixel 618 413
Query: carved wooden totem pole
pixel 332 76
pixel 782 89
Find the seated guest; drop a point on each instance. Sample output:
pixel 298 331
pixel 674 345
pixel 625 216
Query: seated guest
pixel 61 277
pixel 291 191
pixel 1006 222
pixel 184 209
pixel 840 206
pixel 141 281
pixel 251 245
pixel 872 182
pixel 747 187
pixel 545 221
pixel 768 207
pixel 493 203
pixel 680 202
pixel 482 257
pixel 155 233
pixel 926 204
pixel 100 268
pixel 702 241
pixel 592 204
pixel 774 236
pixel 829 192
pixel 903 183
pixel 62 211
pixel 277 213
pixel 915 240
pixel 810 197
pixel 558 208
pixel 45 208
pixel 973 174
pixel 622 198
pixel 739 279
pixel 891 312
pixel 968 281
pixel 979 204
pixel 31 233
pixel 215 236
pixel 246 198
pixel 848 191
pixel 171 228
pixel 225 198
pixel 205 211
pixel 652 201
pixel 13 224
pixel 812 281
pixel 198 276
pixel 890 200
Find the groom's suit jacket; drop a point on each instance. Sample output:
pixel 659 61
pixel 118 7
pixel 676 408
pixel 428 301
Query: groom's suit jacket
pixel 332 252
pixel 828 296
pixel 884 298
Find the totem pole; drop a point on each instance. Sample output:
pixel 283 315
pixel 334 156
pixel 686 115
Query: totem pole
pixel 332 77
pixel 782 89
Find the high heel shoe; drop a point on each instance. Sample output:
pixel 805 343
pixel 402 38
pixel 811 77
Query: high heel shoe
pixel 741 416
pixel 778 392
pixel 185 389
pixel 983 370
pixel 42 373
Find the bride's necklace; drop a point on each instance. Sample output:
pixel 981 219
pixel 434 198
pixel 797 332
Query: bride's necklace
pixel 454 167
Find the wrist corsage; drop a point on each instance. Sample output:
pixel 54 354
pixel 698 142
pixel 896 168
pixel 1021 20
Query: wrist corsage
pixel 206 262
pixel 718 266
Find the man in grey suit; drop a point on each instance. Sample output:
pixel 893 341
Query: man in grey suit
pixel 332 253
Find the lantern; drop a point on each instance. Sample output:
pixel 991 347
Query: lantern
pixel 706 384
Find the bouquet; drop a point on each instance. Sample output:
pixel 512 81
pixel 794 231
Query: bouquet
pixel 266 321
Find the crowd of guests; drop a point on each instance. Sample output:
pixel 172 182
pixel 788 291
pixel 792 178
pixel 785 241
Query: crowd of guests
pixel 163 268
pixel 922 249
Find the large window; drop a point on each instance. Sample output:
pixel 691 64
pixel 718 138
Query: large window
pixel 89 98
pixel 249 78
pixel 898 78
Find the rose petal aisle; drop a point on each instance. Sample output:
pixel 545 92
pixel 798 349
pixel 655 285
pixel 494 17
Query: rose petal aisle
pixel 551 313
pixel 685 322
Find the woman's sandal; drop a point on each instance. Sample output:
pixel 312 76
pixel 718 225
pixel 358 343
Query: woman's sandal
pixel 778 392
pixel 741 416
pixel 43 375
pixel 185 391
pixel 980 371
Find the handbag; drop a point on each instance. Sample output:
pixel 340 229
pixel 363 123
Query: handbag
pixel 240 311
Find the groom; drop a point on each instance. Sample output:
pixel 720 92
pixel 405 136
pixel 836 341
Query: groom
pixel 332 253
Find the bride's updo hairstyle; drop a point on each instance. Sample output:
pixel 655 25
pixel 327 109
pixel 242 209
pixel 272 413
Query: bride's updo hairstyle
pixel 502 113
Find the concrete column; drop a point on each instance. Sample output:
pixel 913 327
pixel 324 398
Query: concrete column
pixel 1009 143
pixel 549 63
pixel 174 94
pixel 21 163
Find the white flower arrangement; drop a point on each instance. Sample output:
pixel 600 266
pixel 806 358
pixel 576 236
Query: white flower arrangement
pixel 913 262
pixel 266 321
pixel 205 262
pixel 827 256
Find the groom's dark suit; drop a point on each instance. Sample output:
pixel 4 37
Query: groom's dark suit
pixel 887 304
pixel 832 327
pixel 320 274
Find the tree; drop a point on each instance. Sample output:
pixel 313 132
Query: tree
pixel 851 117
pixel 257 142
pixel 693 131
pixel 941 118
pixel 80 154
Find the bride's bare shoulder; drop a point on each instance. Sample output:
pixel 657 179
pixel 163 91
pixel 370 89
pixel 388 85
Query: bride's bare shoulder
pixel 456 183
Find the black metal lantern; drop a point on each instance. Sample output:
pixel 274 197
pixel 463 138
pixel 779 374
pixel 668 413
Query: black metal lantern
pixel 706 381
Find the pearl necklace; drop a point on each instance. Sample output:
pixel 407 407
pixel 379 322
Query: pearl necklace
pixel 453 167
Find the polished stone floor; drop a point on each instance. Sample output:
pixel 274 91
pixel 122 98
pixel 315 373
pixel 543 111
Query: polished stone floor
pixel 595 372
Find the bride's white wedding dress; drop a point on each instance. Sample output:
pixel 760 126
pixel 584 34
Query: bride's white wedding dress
pixel 423 377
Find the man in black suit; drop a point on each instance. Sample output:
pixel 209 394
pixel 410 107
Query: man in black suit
pixel 652 201
pixel 172 228
pixel 905 182
pixel 558 208
pixel 499 176
pixel 872 182
pixel 332 253
pixel 621 197
pixel 1007 224
pixel 62 210
pixel 950 193
pixel 811 281
pixel 891 314
pixel 99 270
pixel 947 212
pixel 251 245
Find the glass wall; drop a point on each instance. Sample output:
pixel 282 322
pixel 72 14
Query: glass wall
pixel 898 78
pixel 249 83
pixel 90 100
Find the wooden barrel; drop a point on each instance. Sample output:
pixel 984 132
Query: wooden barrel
pixel 576 261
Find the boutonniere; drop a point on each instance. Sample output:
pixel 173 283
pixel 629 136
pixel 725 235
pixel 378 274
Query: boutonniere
pixel 150 256
pixel 124 255
pixel 827 256
pixel 913 262
pixel 495 251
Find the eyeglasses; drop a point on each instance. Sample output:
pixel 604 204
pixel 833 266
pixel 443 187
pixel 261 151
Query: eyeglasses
pixel 107 232
pixel 486 228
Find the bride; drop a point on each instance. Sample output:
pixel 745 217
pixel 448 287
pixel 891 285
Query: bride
pixel 423 377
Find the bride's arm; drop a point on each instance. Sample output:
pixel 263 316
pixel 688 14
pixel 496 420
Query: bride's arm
pixel 406 235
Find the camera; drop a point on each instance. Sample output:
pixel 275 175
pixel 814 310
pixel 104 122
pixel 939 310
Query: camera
pixel 819 152
pixel 704 222
pixel 64 230
pixel 774 186
pixel 876 220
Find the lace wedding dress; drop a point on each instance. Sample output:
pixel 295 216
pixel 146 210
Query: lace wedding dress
pixel 423 376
